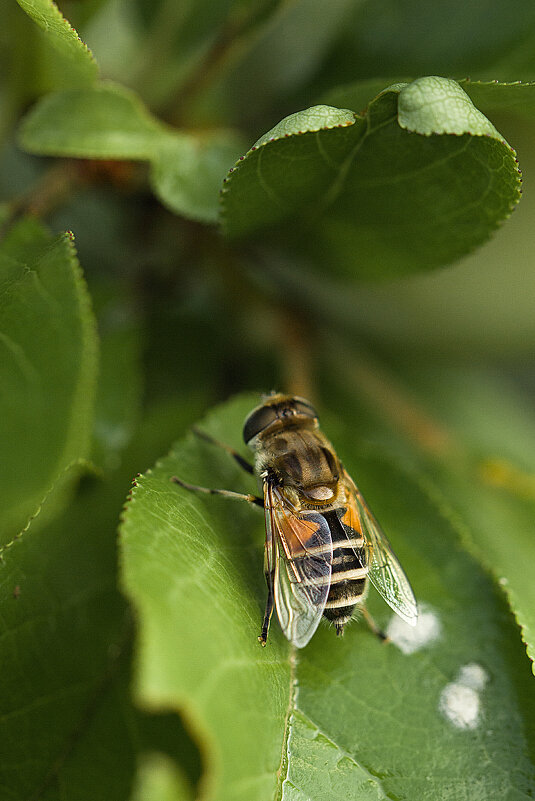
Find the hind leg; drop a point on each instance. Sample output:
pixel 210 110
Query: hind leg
pixel 373 625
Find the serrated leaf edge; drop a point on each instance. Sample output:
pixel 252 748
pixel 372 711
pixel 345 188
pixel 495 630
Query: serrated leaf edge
pixel 82 465
pixel 264 142
pixel 66 25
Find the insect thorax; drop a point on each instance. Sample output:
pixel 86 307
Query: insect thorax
pixel 298 457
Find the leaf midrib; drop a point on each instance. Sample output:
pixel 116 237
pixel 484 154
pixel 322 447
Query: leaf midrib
pixel 284 763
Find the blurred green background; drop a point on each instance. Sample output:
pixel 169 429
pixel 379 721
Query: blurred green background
pixel 436 370
pixel 203 331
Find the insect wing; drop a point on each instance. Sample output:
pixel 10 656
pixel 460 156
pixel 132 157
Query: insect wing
pixel 385 572
pixel 302 551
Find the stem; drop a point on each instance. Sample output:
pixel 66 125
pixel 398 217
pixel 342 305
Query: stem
pixel 228 45
pixel 397 405
pixel 50 191
pixel 296 356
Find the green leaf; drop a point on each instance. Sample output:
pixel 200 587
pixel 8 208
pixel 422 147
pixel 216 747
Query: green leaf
pixel 446 313
pixel 187 173
pixel 76 56
pixel 422 158
pixel 105 122
pixel 65 659
pixel 297 162
pixel 349 718
pixel 517 97
pixel 439 106
pixel 110 122
pixel 47 370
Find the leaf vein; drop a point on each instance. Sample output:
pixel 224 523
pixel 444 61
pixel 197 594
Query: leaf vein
pixel 265 185
pixel 21 360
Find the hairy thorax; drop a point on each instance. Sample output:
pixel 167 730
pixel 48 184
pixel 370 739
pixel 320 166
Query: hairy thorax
pixel 304 460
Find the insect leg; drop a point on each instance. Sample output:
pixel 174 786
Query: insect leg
pixel 243 463
pixel 240 496
pixel 269 610
pixel 373 625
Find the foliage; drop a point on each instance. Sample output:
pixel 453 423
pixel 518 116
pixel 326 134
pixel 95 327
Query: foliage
pixel 263 195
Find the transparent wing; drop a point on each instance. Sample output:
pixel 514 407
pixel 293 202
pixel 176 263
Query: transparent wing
pixel 385 572
pixel 302 550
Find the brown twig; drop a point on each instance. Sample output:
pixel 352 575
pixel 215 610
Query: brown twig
pixel 296 356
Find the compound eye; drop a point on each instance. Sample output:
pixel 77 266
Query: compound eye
pixel 302 406
pixel 257 421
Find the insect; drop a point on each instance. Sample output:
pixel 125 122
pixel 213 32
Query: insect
pixel 323 545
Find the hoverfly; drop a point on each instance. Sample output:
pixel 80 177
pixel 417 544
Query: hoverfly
pixel 322 542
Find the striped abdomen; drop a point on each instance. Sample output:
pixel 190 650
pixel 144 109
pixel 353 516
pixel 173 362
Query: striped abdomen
pixel 349 571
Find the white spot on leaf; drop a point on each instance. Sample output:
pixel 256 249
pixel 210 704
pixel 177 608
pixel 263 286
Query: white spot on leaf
pixel 473 675
pixel 413 638
pixel 460 700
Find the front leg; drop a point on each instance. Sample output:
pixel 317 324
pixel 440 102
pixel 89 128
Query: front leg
pixel 243 463
pixel 269 610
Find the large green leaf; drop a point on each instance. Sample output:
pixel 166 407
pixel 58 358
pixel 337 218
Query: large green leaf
pixel 47 370
pixel 110 122
pixel 76 58
pixel 453 313
pixel 348 718
pixel 418 181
